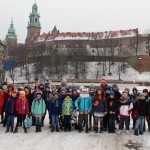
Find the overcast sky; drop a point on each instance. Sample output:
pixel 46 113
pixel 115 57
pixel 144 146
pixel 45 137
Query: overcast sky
pixel 76 15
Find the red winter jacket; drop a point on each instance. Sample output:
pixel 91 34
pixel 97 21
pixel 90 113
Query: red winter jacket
pixel 1 103
pixel 22 107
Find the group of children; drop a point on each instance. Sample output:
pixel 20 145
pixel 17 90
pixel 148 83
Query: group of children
pixel 100 108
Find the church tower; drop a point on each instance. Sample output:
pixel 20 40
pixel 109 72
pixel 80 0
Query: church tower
pixel 34 26
pixel 11 38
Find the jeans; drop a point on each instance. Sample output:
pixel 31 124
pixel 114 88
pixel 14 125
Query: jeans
pixel 139 123
pixel 10 121
pixel 38 120
pixel 55 120
pixel 67 123
pixel 111 125
pixel 122 121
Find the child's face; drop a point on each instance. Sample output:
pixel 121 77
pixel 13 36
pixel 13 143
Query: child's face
pixel 47 89
pixel 68 97
pixel 103 83
pixel 125 95
pixel 53 89
pixel 74 92
pixel 99 92
pixel 142 97
pixel 38 96
pixel 1 90
pixel 55 96
pixel 14 94
pixel 63 91
pixel 134 92
pixel 10 88
pixel 107 91
pixel 22 95
pixel 146 94
pixel 111 96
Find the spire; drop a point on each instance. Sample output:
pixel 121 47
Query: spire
pixel 34 17
pixel 11 31
pixel 54 31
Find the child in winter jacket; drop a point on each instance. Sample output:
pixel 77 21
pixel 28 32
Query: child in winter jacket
pixel 22 108
pixel 55 109
pixel 38 110
pixel 10 110
pixel 125 108
pixel 84 105
pixel 112 110
pixel 100 109
pixel 141 109
pixel 67 110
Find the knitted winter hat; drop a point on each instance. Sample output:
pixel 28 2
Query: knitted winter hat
pixel 103 81
pixel 55 93
pixel 99 88
pixel 22 93
pixel 74 89
pixel 85 90
pixel 68 94
pixel 63 89
pixel 53 87
pixel 47 87
pixel 114 86
pixel 141 95
pixel 145 91
pixel 5 87
pixel 109 88
pixel 39 92
pixel 125 92
pixel 112 93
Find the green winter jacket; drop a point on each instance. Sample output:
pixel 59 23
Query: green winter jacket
pixel 38 107
pixel 67 107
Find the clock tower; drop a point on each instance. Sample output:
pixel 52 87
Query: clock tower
pixel 34 26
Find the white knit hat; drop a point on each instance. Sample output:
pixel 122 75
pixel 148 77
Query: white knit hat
pixel 22 92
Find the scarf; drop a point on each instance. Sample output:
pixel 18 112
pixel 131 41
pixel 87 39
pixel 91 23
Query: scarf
pixel 23 98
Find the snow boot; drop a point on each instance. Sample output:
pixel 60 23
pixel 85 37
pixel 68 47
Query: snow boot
pixel 25 130
pixel 7 130
pixel 80 129
pixel 140 132
pixel 12 129
pixel 136 133
pixel 39 128
pixel 52 130
pixel 16 130
pixel 57 129
pixel 36 128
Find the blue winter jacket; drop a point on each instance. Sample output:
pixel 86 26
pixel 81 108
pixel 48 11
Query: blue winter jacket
pixel 55 107
pixel 10 108
pixel 84 102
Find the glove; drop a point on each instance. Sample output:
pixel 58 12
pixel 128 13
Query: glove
pixel 129 111
pixel 96 103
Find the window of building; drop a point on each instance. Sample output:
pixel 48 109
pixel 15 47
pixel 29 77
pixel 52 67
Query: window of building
pixel 35 19
pixel 93 51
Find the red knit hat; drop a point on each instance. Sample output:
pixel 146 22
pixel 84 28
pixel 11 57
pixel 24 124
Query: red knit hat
pixel 103 80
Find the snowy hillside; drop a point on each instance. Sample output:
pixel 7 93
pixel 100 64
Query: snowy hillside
pixel 91 71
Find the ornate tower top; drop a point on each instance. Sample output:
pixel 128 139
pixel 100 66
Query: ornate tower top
pixel 11 32
pixel 34 17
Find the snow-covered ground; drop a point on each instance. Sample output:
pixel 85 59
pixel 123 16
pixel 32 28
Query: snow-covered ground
pixel 70 141
pixel 92 67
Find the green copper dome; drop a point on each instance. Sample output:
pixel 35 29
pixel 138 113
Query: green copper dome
pixel 34 17
pixel 11 32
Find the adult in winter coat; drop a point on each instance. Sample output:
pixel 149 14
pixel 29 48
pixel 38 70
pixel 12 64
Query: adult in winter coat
pixel 47 95
pixel 63 85
pixel 67 110
pixel 22 108
pixel 125 107
pixel 112 110
pixel 74 96
pixel 84 105
pixel 1 103
pixel 10 110
pixel 38 110
pixel 134 99
pixel 141 108
pixel 99 108
pixel 55 109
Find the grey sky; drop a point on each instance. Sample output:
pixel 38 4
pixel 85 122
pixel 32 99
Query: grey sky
pixel 76 15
